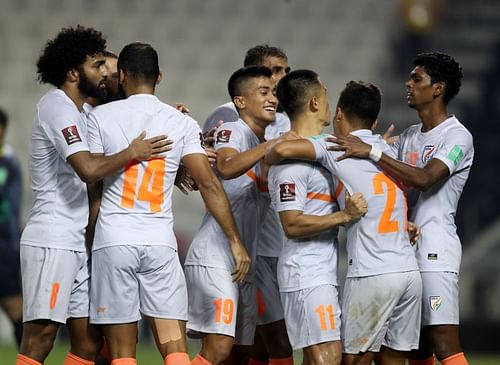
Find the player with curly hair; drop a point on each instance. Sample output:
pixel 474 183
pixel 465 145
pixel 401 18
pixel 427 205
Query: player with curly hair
pixel 435 158
pixel 53 254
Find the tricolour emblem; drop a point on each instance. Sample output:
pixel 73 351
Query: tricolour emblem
pixel 435 301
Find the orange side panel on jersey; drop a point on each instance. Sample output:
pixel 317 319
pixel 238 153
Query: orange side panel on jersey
pixel 319 196
pixel 53 295
pixel 339 189
pixel 251 175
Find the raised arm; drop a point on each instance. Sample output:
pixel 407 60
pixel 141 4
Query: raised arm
pixel 217 204
pixel 296 224
pixel 231 163
pixel 421 178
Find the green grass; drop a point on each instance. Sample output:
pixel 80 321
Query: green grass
pixel 147 354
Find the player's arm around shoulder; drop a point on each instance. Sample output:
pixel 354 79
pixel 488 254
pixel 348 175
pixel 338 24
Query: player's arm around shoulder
pixel 217 204
pixel 92 167
pixel 292 148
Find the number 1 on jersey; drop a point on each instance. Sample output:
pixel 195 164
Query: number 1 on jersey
pixel 151 188
pixel 322 312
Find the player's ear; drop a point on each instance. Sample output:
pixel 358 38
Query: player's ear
pixel 121 76
pixel 314 104
pixel 439 88
pixel 73 75
pixel 338 114
pixel 239 101
pixel 160 77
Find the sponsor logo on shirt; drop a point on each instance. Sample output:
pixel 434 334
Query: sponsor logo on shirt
pixel 428 153
pixel 456 155
pixel 287 192
pixel 223 136
pixel 432 256
pixel 71 134
pixel 435 302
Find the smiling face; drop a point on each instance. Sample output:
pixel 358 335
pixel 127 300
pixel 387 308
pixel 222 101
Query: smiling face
pixel 93 74
pixel 420 91
pixel 258 100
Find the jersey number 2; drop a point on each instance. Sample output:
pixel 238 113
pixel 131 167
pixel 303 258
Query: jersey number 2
pixel 151 188
pixel 386 225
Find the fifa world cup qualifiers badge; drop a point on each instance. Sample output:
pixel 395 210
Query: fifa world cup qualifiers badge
pixel 287 192
pixel 223 136
pixel 71 134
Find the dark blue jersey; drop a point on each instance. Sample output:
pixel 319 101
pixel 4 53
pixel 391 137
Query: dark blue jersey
pixel 10 198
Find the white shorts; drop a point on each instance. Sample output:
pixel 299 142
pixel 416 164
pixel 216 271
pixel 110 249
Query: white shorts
pixel 440 298
pixel 312 315
pixel 219 305
pixel 268 294
pixel 130 280
pixel 55 284
pixel 382 310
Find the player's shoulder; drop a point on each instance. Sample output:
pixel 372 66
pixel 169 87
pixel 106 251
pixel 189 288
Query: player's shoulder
pixel 226 113
pixel 56 102
pixel 454 125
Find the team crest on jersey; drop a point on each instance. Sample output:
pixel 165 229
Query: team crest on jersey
pixel 223 136
pixel 428 153
pixel 71 134
pixel 287 192
pixel 435 301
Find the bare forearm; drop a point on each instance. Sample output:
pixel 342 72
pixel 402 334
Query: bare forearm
pixel 217 204
pixel 409 175
pixel 237 164
pixel 306 225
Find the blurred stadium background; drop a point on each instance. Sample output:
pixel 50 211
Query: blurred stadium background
pixel 201 43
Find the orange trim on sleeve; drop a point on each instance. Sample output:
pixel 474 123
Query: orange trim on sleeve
pixel 252 175
pixel 319 196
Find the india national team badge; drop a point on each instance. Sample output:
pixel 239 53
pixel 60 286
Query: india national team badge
pixel 287 192
pixel 428 153
pixel 223 136
pixel 71 134
pixel 435 301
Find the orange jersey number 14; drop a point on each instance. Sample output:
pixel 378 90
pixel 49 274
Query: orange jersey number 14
pixel 151 187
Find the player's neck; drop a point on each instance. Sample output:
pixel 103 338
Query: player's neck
pixel 139 89
pixel 432 117
pixel 258 127
pixel 72 91
pixel 307 126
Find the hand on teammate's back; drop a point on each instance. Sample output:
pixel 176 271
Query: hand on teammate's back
pixel 413 232
pixel 144 149
pixel 184 181
pixel 355 205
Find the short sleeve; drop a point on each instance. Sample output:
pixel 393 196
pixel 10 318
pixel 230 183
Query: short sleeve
pixel 192 138
pixel 94 134
pixel 288 187
pixel 323 156
pixel 224 114
pixel 456 149
pixel 62 127
pixel 229 135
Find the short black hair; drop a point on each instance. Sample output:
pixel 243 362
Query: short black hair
pixel 4 118
pixel 140 60
pixel 360 101
pixel 255 56
pixel 295 89
pixel 68 50
pixel 442 68
pixel 241 76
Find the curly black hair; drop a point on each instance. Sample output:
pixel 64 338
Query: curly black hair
pixel 442 68
pixel 68 50
pixel 255 56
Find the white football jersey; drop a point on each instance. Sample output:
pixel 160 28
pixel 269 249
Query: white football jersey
pixel 210 246
pixel 136 206
pixel 60 206
pixel 438 248
pixel 309 188
pixel 378 243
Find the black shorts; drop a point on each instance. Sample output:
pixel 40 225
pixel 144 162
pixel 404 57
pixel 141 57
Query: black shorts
pixel 10 274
